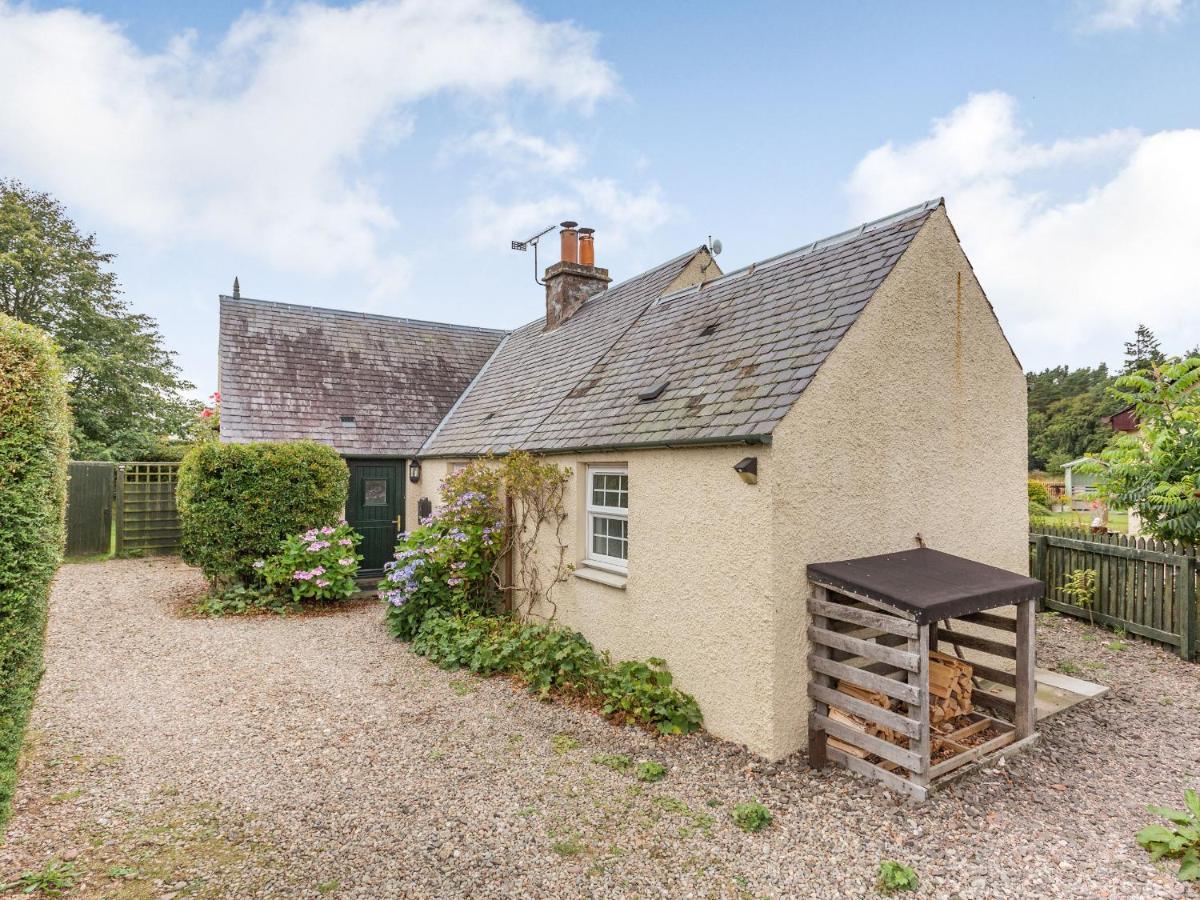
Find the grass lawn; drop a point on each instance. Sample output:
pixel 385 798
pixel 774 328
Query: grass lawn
pixel 1117 521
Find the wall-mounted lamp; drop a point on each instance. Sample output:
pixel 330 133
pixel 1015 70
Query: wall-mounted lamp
pixel 414 470
pixel 748 469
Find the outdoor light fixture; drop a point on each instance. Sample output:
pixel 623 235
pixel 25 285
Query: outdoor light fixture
pixel 414 471
pixel 748 469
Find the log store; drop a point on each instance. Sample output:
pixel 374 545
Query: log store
pixel 891 682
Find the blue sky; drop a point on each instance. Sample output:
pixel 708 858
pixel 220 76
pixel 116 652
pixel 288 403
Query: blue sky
pixel 381 156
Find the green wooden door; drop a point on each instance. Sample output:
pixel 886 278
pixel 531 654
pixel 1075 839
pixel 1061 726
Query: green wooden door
pixel 375 508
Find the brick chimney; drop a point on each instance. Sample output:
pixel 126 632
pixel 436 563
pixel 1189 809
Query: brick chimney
pixel 575 277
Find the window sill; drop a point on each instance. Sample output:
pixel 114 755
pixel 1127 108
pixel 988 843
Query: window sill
pixel 600 576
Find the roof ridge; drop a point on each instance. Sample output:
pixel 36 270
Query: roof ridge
pixel 354 314
pixel 833 240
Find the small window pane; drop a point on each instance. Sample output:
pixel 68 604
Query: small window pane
pixel 375 492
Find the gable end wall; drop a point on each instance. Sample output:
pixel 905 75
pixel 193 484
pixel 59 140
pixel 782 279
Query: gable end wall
pixel 915 423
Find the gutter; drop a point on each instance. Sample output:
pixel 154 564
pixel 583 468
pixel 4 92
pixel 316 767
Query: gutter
pixel 680 444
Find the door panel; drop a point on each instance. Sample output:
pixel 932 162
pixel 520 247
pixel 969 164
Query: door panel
pixel 375 502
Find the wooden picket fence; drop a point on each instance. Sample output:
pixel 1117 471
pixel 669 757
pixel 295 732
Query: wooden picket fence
pixel 1146 586
pixel 147 519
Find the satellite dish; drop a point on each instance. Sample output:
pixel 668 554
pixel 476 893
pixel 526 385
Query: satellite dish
pixel 715 246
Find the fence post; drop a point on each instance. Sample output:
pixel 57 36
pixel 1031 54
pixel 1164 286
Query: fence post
pixel 120 510
pixel 1185 602
pixel 1043 563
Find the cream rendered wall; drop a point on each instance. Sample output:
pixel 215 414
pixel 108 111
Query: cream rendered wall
pixel 915 423
pixel 698 588
pixel 697 592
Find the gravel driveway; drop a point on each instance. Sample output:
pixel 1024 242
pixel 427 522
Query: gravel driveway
pixel 317 757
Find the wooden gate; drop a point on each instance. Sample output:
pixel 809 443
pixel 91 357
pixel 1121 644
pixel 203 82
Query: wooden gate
pixel 147 520
pixel 90 507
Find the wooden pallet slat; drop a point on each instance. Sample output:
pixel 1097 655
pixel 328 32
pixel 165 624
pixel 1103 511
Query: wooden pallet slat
pixel 901 659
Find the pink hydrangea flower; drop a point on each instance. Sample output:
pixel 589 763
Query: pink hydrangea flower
pixel 345 562
pixel 321 582
pixel 346 542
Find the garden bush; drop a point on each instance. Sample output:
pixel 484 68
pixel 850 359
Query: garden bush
pixel 318 565
pixel 551 660
pixel 34 440
pixel 238 501
pixel 448 563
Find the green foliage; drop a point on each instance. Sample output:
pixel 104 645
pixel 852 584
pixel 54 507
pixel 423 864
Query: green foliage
pixel 1065 410
pixel 1143 353
pixel 34 440
pixel 642 691
pixel 448 564
pixel 616 761
pixel 552 660
pixel 241 600
pixel 125 388
pixel 51 880
pixel 318 565
pixel 1079 588
pixel 1180 839
pixel 1157 471
pixel 894 876
pixel 237 502
pixel 650 771
pixel 752 817
pixel 1039 493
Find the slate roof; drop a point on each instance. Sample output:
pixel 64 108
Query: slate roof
pixel 735 353
pixel 289 372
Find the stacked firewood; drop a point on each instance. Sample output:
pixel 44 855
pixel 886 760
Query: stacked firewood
pixel 949 687
pixel 860 724
pixel 949 697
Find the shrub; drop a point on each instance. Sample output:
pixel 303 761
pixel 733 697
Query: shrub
pixel 643 691
pixel 752 816
pixel 448 563
pixel 34 439
pixel 317 565
pixel 1178 840
pixel 894 876
pixel 1039 493
pixel 238 501
pixel 241 600
pixel 552 660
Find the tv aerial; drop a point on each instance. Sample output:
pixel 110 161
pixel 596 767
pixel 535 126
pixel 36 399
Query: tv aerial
pixel 525 244
pixel 714 245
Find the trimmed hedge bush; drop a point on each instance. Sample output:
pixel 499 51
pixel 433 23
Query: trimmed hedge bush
pixel 35 430
pixel 238 501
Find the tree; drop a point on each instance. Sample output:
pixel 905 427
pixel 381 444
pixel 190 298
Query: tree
pixel 125 388
pixel 1065 410
pixel 1142 352
pixel 1157 471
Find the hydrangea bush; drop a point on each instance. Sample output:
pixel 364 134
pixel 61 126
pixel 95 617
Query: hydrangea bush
pixel 319 564
pixel 448 563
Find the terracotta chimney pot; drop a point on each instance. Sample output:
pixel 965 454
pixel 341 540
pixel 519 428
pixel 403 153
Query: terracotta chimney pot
pixel 570 242
pixel 587 246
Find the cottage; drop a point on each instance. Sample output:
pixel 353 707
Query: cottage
pixel 726 430
pixel 373 387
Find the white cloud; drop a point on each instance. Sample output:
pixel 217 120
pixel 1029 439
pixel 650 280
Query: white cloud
pixel 1071 271
pixel 505 144
pixel 257 143
pixel 1118 15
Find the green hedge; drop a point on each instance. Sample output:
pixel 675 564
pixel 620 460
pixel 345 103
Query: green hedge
pixel 35 430
pixel 238 501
